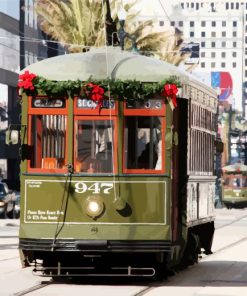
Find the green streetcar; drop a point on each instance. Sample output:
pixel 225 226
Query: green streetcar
pixel 114 185
pixel 234 185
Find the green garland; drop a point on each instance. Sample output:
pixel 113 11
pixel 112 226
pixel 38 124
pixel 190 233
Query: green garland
pixel 118 89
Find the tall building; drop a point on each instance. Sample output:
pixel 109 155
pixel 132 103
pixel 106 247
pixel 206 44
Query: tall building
pixel 219 29
pixel 216 34
pixel 21 43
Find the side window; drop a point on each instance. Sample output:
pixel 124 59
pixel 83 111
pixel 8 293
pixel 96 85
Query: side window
pixel 47 136
pixel 143 144
pixel 48 141
pixel 94 146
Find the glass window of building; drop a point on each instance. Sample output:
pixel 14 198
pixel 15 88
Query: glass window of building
pixel 213 23
pixel 213 65
pixel 223 33
pixel 192 34
pixel 245 62
pixel 173 23
pixel 9 51
pixel 192 23
pixel 197 6
pixel 182 5
pixel 234 44
pixel 234 54
pixel 162 23
pixel 30 15
pixel 203 23
pixel 234 64
pixel 223 44
pixel 245 39
pixel 203 65
pixel 223 23
pixel 202 44
pixel 234 23
pixel 234 34
pixel 213 34
pixel 203 54
pixel 223 64
pixel 227 5
pixel 213 44
pixel 3 107
pixel 203 34
pixel 223 54
pixel 180 24
pixel 237 5
pixel 213 55
pixel 232 5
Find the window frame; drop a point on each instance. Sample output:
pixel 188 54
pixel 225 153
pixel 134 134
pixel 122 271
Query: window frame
pixel 114 139
pixel 46 111
pixel 148 113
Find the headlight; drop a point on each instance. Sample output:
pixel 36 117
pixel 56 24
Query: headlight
pixel 2 203
pixel 94 206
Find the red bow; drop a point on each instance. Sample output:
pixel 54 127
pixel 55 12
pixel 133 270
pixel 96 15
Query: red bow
pixel 96 93
pixel 25 80
pixel 170 90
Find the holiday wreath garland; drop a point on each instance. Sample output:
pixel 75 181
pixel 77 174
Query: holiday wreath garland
pixel 97 90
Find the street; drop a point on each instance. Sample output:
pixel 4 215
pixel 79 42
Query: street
pixel 222 273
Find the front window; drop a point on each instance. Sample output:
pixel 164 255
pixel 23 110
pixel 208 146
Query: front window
pixel 48 141
pixel 94 145
pixel 235 181
pixel 143 144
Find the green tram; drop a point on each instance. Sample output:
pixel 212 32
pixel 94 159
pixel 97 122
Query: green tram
pixel 234 186
pixel 125 188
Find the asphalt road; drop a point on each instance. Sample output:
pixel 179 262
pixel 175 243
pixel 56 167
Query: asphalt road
pixel 223 273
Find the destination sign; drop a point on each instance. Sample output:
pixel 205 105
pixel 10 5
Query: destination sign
pixel 90 104
pixel 148 104
pixel 48 103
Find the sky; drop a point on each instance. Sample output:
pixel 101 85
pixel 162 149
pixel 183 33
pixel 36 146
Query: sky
pixel 154 7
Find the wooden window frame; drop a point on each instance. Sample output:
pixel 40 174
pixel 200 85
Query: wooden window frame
pixel 114 139
pixel 148 113
pixel 47 111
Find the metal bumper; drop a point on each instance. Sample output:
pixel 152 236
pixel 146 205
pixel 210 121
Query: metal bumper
pixel 74 245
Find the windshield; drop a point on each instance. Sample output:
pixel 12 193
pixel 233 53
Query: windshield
pixel 236 181
pixel 94 149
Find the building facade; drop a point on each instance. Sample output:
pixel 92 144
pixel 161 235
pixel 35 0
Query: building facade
pixel 219 30
pixel 21 43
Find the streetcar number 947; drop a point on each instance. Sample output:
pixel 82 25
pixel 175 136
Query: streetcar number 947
pixel 95 188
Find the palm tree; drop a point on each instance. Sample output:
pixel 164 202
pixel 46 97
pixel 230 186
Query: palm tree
pixel 80 24
pixel 76 24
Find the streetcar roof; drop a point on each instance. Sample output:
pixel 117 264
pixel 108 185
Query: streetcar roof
pixel 235 168
pixel 111 63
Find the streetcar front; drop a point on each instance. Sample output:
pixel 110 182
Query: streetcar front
pixel 95 186
pixel 234 189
